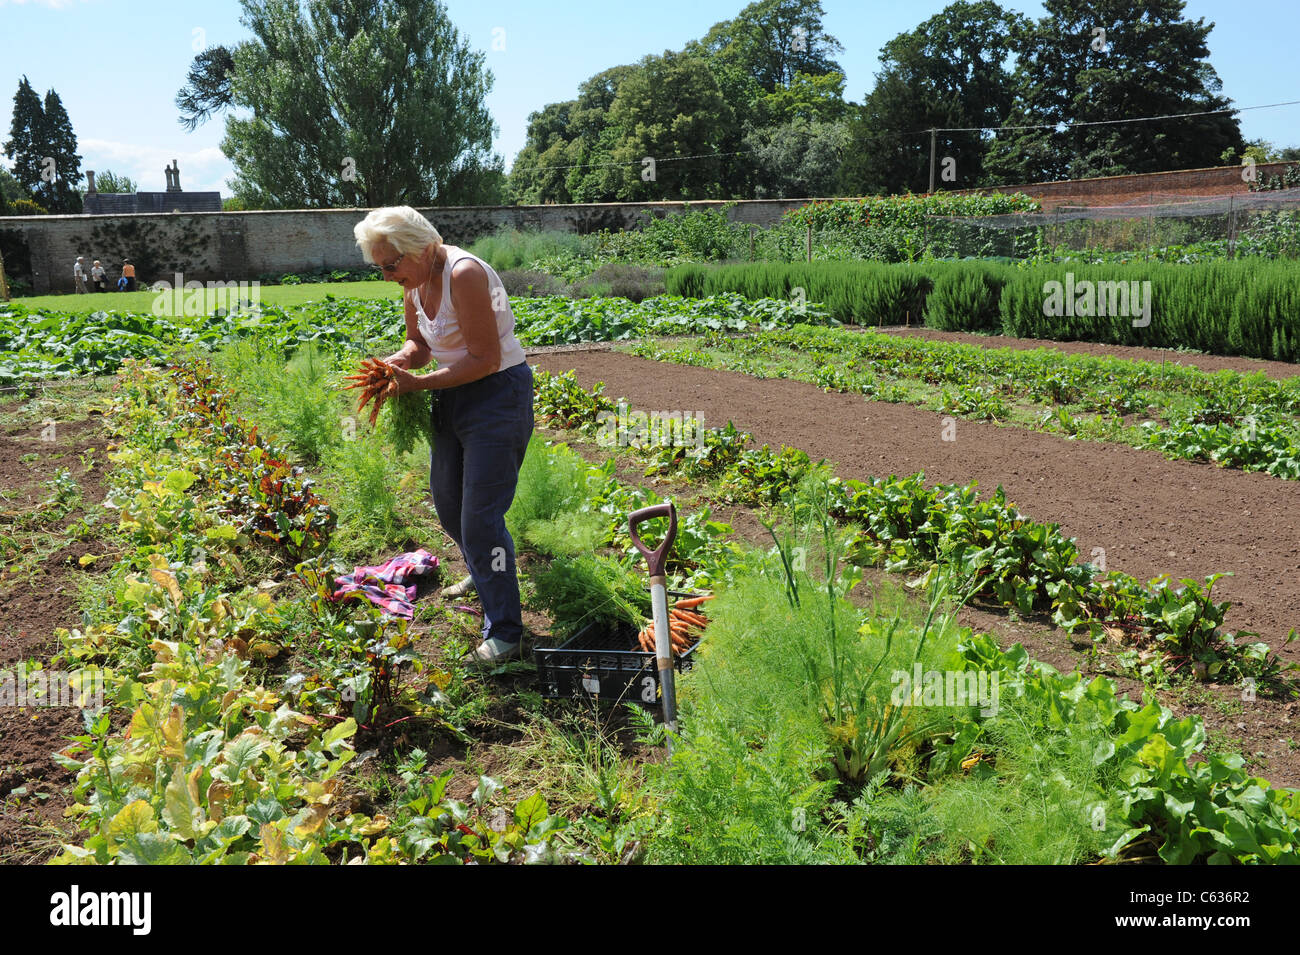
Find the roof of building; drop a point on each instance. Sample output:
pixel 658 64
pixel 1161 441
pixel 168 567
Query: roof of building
pixel 108 204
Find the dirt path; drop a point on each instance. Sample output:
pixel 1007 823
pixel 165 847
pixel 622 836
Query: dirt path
pixel 1150 515
pixel 38 594
pixel 1210 363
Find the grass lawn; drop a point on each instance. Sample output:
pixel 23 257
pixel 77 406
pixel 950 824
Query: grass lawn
pixel 270 294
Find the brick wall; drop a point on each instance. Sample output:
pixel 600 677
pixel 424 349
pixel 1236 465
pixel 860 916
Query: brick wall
pixel 240 246
pixel 1123 190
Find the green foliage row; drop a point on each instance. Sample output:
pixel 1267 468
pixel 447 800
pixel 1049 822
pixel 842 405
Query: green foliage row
pixel 1057 770
pixel 864 293
pixel 42 345
pixel 1231 419
pixel 1015 561
pixel 1258 233
pixel 568 509
pixel 907 209
pixel 301 401
pixel 1226 308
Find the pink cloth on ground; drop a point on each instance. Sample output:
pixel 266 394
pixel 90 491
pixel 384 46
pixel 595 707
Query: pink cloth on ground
pixel 386 586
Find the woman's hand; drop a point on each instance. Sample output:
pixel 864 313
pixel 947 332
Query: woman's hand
pixel 399 360
pixel 402 381
pixel 405 381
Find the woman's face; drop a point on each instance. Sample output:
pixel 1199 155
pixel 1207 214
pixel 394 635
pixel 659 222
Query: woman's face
pixel 408 271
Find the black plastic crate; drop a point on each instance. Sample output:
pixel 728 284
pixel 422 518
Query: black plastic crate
pixel 598 661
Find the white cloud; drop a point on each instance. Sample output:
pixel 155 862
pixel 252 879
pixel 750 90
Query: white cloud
pixel 202 170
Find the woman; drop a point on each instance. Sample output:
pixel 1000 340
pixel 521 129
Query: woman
pixel 457 312
pixel 97 275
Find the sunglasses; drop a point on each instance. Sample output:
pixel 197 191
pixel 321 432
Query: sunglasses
pixel 392 266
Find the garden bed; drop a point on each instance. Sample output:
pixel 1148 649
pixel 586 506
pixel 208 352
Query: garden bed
pixel 1152 516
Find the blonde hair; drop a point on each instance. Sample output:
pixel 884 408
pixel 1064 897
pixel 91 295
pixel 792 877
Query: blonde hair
pixel 408 232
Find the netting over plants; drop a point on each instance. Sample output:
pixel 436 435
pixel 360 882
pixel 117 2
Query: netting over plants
pixel 1162 227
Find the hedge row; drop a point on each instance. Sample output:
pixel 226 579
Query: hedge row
pixel 863 293
pixel 1228 308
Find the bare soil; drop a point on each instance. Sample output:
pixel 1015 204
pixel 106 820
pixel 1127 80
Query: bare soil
pixel 38 595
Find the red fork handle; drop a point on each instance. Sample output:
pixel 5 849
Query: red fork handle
pixel 658 557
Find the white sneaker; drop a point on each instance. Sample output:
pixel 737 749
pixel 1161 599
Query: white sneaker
pixel 492 651
pixel 460 589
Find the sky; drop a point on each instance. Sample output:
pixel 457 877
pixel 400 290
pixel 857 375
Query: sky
pixel 117 64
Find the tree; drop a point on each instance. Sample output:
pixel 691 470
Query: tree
pixel 567 153
pixel 11 190
pixel 207 87
pixel 798 137
pixel 44 150
pixel 537 173
pixel 477 178
pixel 109 181
pixel 25 146
pixel 1260 150
pixel 761 53
pixel 810 98
pixel 60 192
pixel 25 207
pixel 353 102
pixel 1149 61
pixel 799 159
pixel 768 73
pixel 948 73
pixel 670 111
pixel 591 175
pixel 771 41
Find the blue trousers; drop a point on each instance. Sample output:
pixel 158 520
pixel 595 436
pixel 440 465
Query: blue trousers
pixel 481 431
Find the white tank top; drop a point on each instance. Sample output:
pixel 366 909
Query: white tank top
pixel 443 334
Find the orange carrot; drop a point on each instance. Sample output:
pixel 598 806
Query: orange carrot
pixel 694 618
pixel 688 602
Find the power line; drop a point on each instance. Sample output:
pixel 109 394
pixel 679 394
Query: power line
pixel 942 129
pixel 1109 122
pixel 634 162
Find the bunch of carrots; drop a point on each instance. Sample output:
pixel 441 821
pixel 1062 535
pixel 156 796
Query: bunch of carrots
pixel 378 380
pixel 685 621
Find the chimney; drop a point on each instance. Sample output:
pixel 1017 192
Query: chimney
pixel 90 179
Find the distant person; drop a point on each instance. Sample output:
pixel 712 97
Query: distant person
pixel 79 274
pixel 128 273
pixel 98 277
